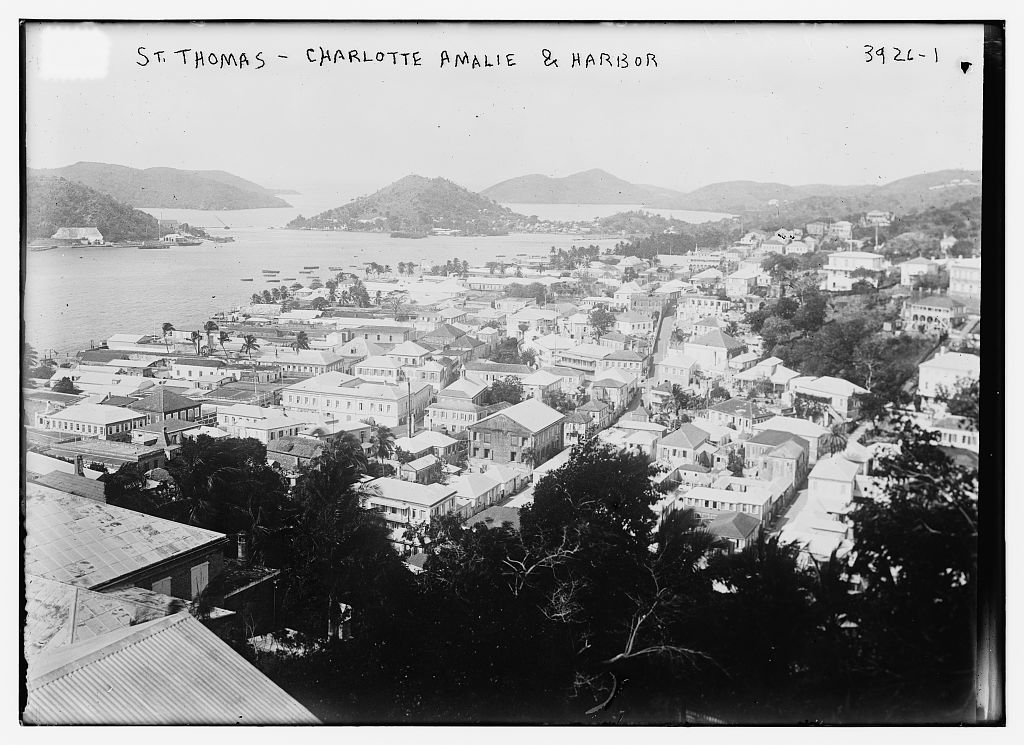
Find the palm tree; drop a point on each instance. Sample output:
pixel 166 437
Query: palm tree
pixel 250 345
pixel 209 327
pixel 224 337
pixel 196 337
pixel 167 329
pixel 382 442
pixel 301 341
pixel 836 440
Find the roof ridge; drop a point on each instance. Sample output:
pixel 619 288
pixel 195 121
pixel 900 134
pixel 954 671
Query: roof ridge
pixel 139 632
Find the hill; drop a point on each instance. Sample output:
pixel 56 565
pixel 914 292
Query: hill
pixel 416 205
pixel 52 203
pixel 587 187
pixel 935 189
pixel 168 187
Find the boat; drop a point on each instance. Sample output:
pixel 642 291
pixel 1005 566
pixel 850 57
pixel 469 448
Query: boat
pixel 273 280
pixel 247 279
pixel 336 268
pixel 154 246
pixel 311 267
pixel 289 279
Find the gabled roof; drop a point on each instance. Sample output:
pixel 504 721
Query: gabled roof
pixel 420 464
pixel 200 362
pixel 938 301
pixel 835 468
pixel 81 542
pixel 407 491
pixel 577 417
pixel 775 437
pixel 593 405
pixel 461 388
pixel 378 361
pixel 473 485
pixel 736 525
pixel 541 377
pixel 968 363
pixel 609 383
pixel 788 449
pixel 716 338
pixel 444 331
pixel 530 414
pixel 72 483
pixel 630 288
pixel 409 349
pixel 447 403
pixel 96 414
pixel 625 354
pixel 741 407
pixel 687 436
pixel 615 336
pixel 828 386
pixel 164 401
pixel 59 614
pixel 803 427
pixel 710 321
pixel 170 670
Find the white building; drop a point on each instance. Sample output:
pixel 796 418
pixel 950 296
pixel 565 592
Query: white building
pixel 351 399
pixel 841 266
pixel 917 267
pixel 965 277
pixel 260 423
pixel 947 371
pixel 95 420
pixel 405 503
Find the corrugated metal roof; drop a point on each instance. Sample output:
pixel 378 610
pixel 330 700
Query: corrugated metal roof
pixel 76 540
pixel 169 671
pixel 58 614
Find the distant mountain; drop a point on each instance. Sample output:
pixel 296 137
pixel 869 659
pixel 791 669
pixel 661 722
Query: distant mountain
pixel 52 203
pixel 416 205
pixel 169 187
pixel 939 188
pixel 587 187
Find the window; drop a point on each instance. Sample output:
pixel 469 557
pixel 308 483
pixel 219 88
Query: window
pixel 200 578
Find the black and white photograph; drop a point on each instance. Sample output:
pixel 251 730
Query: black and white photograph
pixel 510 372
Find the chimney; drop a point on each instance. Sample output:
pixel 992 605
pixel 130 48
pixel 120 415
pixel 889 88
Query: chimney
pixel 167 439
pixel 79 467
pixel 242 541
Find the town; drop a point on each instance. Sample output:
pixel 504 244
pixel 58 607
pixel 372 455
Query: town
pixel 760 387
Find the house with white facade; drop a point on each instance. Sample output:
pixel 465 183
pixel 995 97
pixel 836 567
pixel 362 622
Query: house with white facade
pixel 841 266
pixel 946 372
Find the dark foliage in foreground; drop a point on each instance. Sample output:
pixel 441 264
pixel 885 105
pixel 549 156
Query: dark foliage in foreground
pixel 593 612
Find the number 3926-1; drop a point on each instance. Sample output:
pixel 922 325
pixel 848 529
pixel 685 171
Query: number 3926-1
pixel 896 54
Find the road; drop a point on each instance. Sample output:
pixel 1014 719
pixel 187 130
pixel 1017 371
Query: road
pixel 662 342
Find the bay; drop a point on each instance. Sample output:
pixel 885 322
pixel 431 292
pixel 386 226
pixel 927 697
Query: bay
pixel 74 296
pixel 581 212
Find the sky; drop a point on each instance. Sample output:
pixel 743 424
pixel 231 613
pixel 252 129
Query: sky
pixel 792 103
